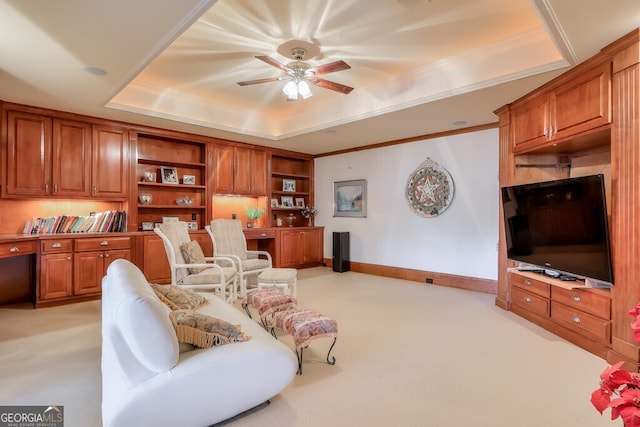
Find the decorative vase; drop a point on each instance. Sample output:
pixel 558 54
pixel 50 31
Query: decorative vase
pixel 249 224
pixel 310 224
pixel 291 219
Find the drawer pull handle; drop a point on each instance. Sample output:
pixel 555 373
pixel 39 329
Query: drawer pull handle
pixel 56 245
pixel 527 299
pixel 104 243
pixel 576 298
pixel 14 249
pixel 100 256
pixel 263 235
pixel 527 282
pixel 576 319
pixel 106 255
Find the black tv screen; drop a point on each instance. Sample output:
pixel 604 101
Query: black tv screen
pixel 560 226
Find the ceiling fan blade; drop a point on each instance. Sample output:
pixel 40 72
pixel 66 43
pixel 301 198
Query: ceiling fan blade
pixel 329 68
pixel 326 84
pixel 267 80
pixel 273 62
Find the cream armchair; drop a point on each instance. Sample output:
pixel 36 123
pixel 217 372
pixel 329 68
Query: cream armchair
pixel 198 272
pixel 229 241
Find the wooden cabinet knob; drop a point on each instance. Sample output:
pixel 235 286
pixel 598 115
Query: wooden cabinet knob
pixel 14 249
pixel 576 319
pixel 576 298
pixel 527 299
pixel 528 282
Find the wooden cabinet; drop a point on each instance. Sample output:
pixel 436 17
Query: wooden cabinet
pixel 581 123
pixel 301 247
pixel 239 170
pixel 186 198
pixel 71 269
pixel 110 165
pixel 56 157
pixel 580 105
pixel 291 180
pixel 55 269
pixel 91 259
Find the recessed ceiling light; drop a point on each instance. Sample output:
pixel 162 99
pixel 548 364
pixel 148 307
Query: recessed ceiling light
pixel 459 123
pixel 330 131
pixel 95 71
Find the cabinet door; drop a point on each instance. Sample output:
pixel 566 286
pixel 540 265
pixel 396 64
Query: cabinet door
pixel 258 172
pixel 243 169
pixel 584 103
pixel 291 248
pixel 223 169
pixel 313 247
pixel 56 276
pixel 88 268
pixel 28 161
pixel 71 166
pixel 530 123
pixel 110 162
pixel 110 256
pixel 154 263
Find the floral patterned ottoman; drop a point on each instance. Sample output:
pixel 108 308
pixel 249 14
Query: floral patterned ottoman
pixel 267 302
pixel 305 325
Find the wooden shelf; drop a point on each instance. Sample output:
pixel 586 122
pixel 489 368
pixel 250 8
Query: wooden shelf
pixel 170 163
pixel 159 184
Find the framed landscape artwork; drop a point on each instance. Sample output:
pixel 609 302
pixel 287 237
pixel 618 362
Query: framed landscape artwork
pixel 350 198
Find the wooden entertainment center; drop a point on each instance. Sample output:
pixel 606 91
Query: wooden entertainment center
pixel 584 122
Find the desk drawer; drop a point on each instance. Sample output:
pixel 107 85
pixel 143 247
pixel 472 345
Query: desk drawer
pixel 10 249
pixel 56 245
pixel 530 285
pixel 102 243
pixel 589 302
pixel 257 233
pixel 531 302
pixel 582 322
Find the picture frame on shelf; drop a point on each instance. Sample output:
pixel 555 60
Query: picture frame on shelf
pixel 350 198
pixel 149 176
pixel 286 201
pixel 299 202
pixel 289 185
pixel 147 226
pixel 189 179
pixel 170 219
pixel 192 225
pixel 169 175
pixel 274 203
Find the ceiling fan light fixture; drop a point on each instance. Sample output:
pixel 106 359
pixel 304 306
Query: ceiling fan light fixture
pixel 304 90
pixel 294 89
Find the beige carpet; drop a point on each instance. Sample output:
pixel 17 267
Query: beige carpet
pixel 408 354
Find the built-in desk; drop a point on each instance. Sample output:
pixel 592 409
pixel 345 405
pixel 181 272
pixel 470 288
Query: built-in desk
pixel 17 267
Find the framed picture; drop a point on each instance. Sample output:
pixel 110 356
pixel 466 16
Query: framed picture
pixel 288 185
pixel 147 226
pixel 169 175
pixel 274 203
pixel 299 202
pixel 286 201
pixel 189 179
pixel 350 198
pixel 149 176
pixel 192 225
pixel 170 218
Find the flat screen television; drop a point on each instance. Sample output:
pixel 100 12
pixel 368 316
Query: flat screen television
pixel 560 226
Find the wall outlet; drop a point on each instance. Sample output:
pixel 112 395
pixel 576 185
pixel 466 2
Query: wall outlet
pixel 429 280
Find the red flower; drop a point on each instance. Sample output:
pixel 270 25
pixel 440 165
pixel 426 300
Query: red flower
pixel 627 406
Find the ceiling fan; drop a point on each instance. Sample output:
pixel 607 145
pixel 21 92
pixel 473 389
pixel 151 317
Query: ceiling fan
pixel 299 73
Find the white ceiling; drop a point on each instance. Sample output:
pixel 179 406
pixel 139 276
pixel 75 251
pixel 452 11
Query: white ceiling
pixel 418 66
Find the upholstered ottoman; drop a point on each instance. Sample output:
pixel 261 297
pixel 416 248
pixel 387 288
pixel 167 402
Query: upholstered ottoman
pixel 267 302
pixel 281 278
pixel 304 326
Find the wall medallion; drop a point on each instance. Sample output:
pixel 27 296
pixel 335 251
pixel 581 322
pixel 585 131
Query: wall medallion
pixel 429 189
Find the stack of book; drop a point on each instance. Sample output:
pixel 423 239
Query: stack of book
pixel 98 222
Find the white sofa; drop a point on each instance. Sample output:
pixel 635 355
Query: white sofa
pixel 148 381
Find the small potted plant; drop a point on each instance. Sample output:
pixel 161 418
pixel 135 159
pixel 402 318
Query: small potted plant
pixel 253 214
